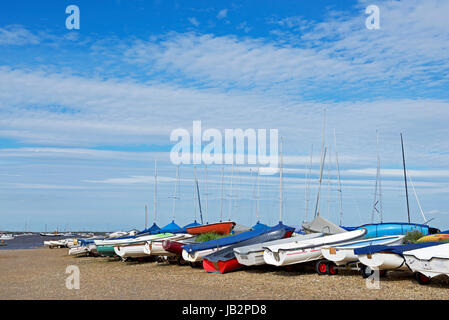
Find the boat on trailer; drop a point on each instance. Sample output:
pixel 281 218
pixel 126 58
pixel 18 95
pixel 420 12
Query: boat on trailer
pixel 428 262
pixel 252 255
pixel 384 258
pixel 223 261
pixel 344 254
pixel 296 252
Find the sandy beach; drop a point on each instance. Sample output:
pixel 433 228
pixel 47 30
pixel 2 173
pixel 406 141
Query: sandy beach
pixel 40 274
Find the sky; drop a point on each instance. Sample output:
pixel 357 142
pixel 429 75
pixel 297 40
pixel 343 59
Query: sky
pixel 84 113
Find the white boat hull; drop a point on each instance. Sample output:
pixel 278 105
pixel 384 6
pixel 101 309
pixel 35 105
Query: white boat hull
pixel 131 251
pixel 79 251
pixel 198 255
pixel 306 250
pixel 431 261
pixel 250 256
pixel 345 254
pixel 155 247
pixel 383 261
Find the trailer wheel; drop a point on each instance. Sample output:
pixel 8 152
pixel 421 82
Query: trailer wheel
pixel 321 267
pixel 332 268
pixel 421 278
pixel 366 271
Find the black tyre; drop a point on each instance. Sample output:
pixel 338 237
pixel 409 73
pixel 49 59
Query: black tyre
pixel 331 268
pixel 421 278
pixel 321 267
pixel 366 271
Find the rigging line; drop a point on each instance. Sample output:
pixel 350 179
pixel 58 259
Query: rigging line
pixel 416 196
pixel 340 191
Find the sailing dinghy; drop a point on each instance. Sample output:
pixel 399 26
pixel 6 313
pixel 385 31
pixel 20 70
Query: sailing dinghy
pixel 381 257
pixel 428 262
pixel 252 255
pixel 225 260
pixel 306 250
pixel 344 254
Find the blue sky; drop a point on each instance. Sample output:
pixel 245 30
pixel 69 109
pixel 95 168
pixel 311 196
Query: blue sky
pixel 85 112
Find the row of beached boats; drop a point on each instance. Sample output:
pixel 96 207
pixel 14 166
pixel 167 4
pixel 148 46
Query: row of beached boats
pixel 329 247
pixel 279 246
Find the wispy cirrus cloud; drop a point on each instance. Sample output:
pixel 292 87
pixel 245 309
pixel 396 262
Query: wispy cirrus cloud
pixel 17 35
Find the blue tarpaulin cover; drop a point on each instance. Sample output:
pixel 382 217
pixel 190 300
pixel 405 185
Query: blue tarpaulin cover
pixel 270 234
pixel 226 241
pixel 259 225
pixel 153 229
pixel 394 249
pixel 172 227
pixel 193 224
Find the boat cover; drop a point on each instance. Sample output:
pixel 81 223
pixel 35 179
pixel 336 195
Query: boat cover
pixel 259 246
pixel 172 227
pixel 375 230
pixel 239 228
pixel 269 234
pixel 319 224
pixel 151 230
pixel 230 240
pixel 193 224
pixel 259 225
pixel 394 249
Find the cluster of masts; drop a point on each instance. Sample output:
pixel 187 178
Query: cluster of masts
pixel 377 209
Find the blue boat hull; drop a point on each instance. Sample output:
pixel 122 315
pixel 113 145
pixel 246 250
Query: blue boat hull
pixel 393 228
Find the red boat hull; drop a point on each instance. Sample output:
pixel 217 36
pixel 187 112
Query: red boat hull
pixel 221 266
pixel 173 246
pixel 220 228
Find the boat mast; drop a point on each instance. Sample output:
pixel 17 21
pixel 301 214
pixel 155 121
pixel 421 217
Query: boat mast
pixel 280 184
pixel 257 195
pixel 405 179
pixel 198 193
pixel 145 216
pixel 221 198
pixel 339 179
pixel 206 194
pixel 317 205
pixel 155 190
pixel 307 188
pixel 175 196
pixel 377 189
pixel 323 156
pixel 230 196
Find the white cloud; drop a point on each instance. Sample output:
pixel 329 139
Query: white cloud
pixel 222 14
pixel 17 35
pixel 194 21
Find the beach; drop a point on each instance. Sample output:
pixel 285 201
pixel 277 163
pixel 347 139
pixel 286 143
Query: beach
pixel 41 274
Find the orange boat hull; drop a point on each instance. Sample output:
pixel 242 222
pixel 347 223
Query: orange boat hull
pixel 220 228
